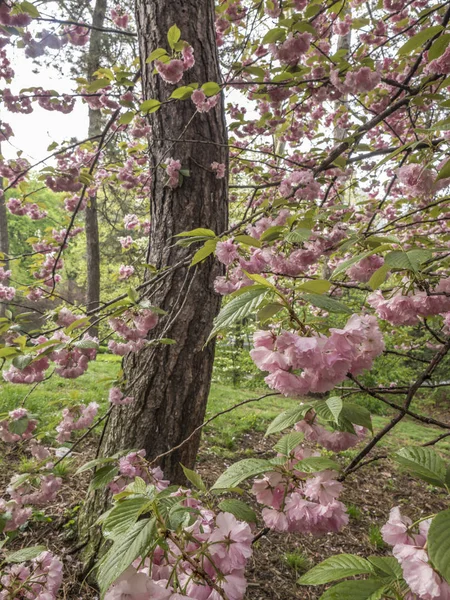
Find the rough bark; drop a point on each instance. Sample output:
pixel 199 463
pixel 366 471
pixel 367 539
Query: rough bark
pixel 170 383
pixel 95 128
pixel 4 241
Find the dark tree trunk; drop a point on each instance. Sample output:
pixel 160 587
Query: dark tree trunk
pixel 4 241
pixel 95 128
pixel 170 383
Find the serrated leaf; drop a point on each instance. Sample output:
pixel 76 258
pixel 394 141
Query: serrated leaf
pixel 19 426
pixel 86 345
pixel 288 442
pixel 387 565
pixel 268 311
pixel 21 362
pixel 315 286
pixel 240 471
pixel 182 93
pixel 150 106
pixel 274 35
pixel 210 88
pixel 439 543
pixel 327 303
pixel 239 307
pixel 173 35
pixel 103 476
pixel 124 551
pixel 336 567
pixel 356 414
pixel 194 478
pixel 423 462
pixel 444 173
pixel 367 589
pixel 411 260
pixel 288 418
pixel 207 249
pixel 158 53
pixel 248 240
pixel 25 554
pixel 379 277
pixel 298 235
pixel 199 232
pixel 123 516
pixel 420 39
pixel 272 233
pixel 439 46
pixel 335 405
pixel 239 509
pixel 315 464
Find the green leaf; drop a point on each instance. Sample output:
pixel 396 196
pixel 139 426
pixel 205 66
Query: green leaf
pixel 207 249
pixel 387 565
pixel 335 405
pixel 288 442
pixel 438 47
pixel 248 240
pixel 343 266
pixel 182 93
pixel 126 118
pixel 268 311
pixel 94 463
pixel 136 542
pixel 272 233
pixel 239 307
pixel 8 351
pixel 19 426
pixel 336 567
pixel 21 362
pixel 444 172
pixel 327 303
pixel 210 88
pixel 97 85
pixel 315 464
pixel 288 418
pixel 158 53
pixel 86 344
pixel 123 516
pixel 316 286
pixel 379 277
pixel 103 476
pixel 420 39
pixel 239 509
pixel 200 231
pixel 240 471
pixel 367 589
pixel 150 106
pixel 194 478
pixel 439 543
pixel 30 9
pixel 173 35
pixel 25 554
pixel 274 35
pixel 424 463
pixel 411 260
pixel 298 236
pixel 356 414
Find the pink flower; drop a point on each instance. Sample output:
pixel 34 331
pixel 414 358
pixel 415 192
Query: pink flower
pixel 202 103
pixel 172 71
pixel 419 574
pixel 117 398
pixel 132 585
pixel 173 171
pixel 219 168
pixel 395 530
pixel 231 542
pixel 323 488
pixel 125 271
pixel 226 252
pixel 275 519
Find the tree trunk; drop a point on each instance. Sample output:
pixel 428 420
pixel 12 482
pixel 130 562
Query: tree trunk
pixel 170 383
pixel 4 241
pixel 95 128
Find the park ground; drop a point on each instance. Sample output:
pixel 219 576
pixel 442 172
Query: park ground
pixel 278 560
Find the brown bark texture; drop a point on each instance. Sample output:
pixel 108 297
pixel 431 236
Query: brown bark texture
pixel 170 383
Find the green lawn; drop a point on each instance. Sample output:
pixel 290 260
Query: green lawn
pixel 221 436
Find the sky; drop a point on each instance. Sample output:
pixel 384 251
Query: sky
pixel 34 132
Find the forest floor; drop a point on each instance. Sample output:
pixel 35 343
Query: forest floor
pixel 278 560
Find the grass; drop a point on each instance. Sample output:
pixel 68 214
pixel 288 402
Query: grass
pixel 221 437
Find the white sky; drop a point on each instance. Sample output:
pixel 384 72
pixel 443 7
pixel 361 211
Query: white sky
pixel 34 132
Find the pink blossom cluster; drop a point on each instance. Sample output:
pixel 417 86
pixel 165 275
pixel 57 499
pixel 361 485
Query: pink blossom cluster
pixel 290 51
pixel 32 373
pixel 72 362
pixel 440 65
pixel 9 18
pixel 35 47
pixel 41 580
pixel 227 252
pixel 336 441
pixel 119 17
pixel 117 398
pixel 202 103
pixel 133 327
pixel 356 82
pixel 7 433
pixel 38 490
pixel 7 292
pixel 406 310
pixel 15 514
pixel 323 361
pixel 299 504
pixel 417 179
pixel 131 221
pixel 66 317
pixel 4 274
pixel 16 207
pixel 172 71
pixel 74 419
pixel 134 465
pixel 410 550
pixel 126 242
pixel 78 35
pixel 364 269
pixel 219 169
pixel 125 271
pixel 173 171
pixel 300 185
